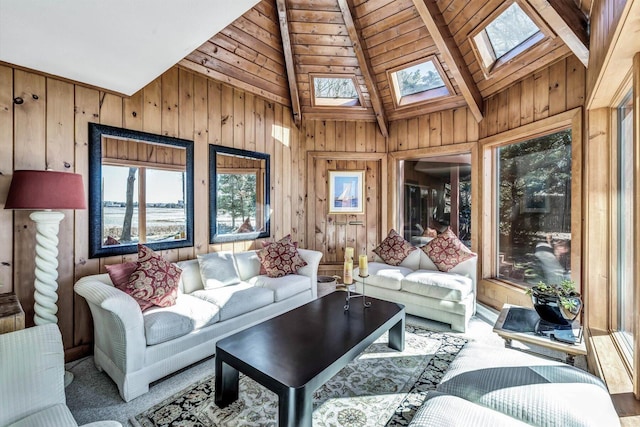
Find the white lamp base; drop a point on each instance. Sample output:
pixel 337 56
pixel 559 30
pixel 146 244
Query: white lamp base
pixel 68 378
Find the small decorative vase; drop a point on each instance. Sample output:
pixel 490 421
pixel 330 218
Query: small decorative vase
pixel 551 310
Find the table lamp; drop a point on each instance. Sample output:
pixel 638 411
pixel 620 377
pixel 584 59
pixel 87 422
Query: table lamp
pixel 43 191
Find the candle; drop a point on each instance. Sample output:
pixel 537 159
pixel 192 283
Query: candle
pixel 364 266
pixel 348 272
pixel 348 252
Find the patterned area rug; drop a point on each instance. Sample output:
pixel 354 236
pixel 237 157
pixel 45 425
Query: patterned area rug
pixel 381 387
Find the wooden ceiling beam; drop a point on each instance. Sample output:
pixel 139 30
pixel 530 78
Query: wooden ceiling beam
pixel 288 59
pixel 365 66
pixel 569 22
pixel 433 20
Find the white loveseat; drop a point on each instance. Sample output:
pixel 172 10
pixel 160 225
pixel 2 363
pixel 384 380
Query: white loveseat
pixel 424 290
pixel 32 380
pixel 136 348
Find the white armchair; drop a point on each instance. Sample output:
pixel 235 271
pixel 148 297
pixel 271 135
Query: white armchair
pixel 32 380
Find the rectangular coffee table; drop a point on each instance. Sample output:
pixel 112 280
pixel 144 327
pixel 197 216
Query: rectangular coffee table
pixel 295 353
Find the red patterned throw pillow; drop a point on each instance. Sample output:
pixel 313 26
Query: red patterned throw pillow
pixel 394 249
pixel 280 258
pixel 446 251
pixel 119 274
pixel 155 279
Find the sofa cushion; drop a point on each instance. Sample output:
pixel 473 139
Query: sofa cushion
pixel 394 249
pixel 235 300
pixel 218 269
pixel 283 287
pixel 155 279
pixel 190 279
pixel 281 258
pixel 446 251
pixel 57 415
pixel 436 284
pixel 444 410
pixel 188 314
pixel 248 264
pixel 535 390
pixel 412 261
pixel 385 276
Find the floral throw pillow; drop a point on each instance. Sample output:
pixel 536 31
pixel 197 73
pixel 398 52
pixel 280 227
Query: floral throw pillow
pixel 285 239
pixel 155 279
pixel 394 249
pixel 446 251
pixel 281 258
pixel 119 274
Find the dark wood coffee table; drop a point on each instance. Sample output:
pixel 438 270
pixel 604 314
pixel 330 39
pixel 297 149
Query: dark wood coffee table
pixel 295 353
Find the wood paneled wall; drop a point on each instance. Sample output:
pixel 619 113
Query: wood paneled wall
pixel 49 129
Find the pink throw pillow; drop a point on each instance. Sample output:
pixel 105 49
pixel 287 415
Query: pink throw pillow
pixel 446 251
pixel 281 258
pixel 155 279
pixel 394 249
pixel 285 239
pixel 119 274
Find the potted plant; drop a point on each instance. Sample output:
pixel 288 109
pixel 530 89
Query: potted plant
pixel 557 303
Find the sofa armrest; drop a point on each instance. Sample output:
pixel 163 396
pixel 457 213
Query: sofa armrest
pixel 117 320
pixel 310 270
pixel 31 371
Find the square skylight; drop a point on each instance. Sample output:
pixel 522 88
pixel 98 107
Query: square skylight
pixel 509 31
pixel 419 81
pixel 335 91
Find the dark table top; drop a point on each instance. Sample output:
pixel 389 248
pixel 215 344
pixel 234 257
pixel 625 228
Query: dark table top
pixel 299 345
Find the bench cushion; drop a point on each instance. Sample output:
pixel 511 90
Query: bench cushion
pixel 235 300
pixel 439 285
pixel 384 275
pixel 283 287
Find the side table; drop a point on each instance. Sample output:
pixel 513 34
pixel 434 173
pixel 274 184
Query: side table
pixel 11 313
pixel 525 331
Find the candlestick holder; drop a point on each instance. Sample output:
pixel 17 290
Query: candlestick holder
pixel 365 303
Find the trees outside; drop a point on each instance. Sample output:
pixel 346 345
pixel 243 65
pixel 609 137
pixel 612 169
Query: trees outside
pixel 236 200
pixel 418 79
pixel 334 88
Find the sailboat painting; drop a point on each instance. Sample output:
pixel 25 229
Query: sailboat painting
pixel 346 190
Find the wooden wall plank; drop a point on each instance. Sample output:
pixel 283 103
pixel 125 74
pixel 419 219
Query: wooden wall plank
pixel 6 173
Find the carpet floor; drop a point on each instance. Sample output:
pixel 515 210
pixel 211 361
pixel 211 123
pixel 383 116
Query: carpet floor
pixel 92 396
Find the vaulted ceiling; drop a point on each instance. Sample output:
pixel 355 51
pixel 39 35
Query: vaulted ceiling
pixel 275 48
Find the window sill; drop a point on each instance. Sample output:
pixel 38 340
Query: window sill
pixel 606 362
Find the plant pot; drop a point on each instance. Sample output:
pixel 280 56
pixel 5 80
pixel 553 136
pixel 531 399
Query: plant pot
pixel 551 310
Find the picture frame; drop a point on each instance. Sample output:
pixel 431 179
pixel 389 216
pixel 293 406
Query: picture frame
pixel 346 192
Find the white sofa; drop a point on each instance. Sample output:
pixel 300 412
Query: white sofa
pixel 489 386
pixel 136 348
pixel 424 290
pixel 32 380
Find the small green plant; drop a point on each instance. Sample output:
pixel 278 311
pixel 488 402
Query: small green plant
pixel 565 291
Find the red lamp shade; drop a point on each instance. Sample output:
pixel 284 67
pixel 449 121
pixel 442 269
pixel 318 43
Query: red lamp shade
pixel 36 189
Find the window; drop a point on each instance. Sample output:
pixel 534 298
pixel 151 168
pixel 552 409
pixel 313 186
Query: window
pixel 534 210
pixel 161 192
pixel 335 91
pixel 507 33
pixel 437 195
pixel 419 81
pixel 625 224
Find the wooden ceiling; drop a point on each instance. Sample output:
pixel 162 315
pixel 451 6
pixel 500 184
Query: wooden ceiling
pixel 274 48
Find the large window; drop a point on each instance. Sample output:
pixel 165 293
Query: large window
pixel 625 223
pixel 534 210
pixel 437 196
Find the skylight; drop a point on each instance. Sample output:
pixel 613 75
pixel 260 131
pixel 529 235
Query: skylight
pixel 335 91
pixel 419 78
pixel 419 81
pixel 510 29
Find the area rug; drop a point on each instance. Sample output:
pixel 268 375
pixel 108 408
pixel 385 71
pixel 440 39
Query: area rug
pixel 381 387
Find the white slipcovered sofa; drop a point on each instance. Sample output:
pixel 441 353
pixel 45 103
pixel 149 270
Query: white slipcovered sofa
pixel 136 348
pixel 424 290
pixel 496 387
pixel 32 380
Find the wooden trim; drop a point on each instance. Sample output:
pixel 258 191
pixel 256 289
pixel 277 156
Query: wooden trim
pixel 229 80
pixel 365 66
pixel 564 18
pixel 288 59
pixel 443 40
pixel 636 219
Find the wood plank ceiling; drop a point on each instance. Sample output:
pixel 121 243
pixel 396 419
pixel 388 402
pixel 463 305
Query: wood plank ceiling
pixel 366 39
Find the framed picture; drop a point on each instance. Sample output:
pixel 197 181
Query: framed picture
pixel 535 200
pixel 346 192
